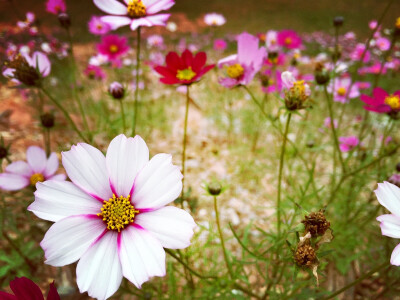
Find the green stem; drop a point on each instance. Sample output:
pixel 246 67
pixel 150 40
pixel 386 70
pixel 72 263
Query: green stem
pixel 334 134
pixel 184 141
pixel 122 115
pixel 257 103
pixel 46 136
pixel 355 282
pixel 228 265
pixel 135 111
pixel 281 161
pixel 66 115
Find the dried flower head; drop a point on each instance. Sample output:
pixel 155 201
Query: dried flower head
pixel 316 223
pixel 305 255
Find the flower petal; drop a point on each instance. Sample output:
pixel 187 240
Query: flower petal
pixel 125 158
pixel 390 225
pixel 395 258
pixel 20 167
pixel 142 255
pixel 99 270
pixel 154 6
pixel 55 200
pixel 86 167
pixel 25 288
pixel 172 226
pixel 389 196
pixel 158 183
pixel 36 158
pixel 51 165
pixel 68 239
pixel 53 294
pixel 140 22
pixel 116 22
pixel 41 62
pixel 159 19
pixel 7 296
pixel 13 182
pixel 199 61
pixel 380 94
pixel 111 7
pixel 58 177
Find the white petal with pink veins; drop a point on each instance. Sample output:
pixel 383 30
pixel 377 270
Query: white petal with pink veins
pixel 140 22
pixel 288 79
pixel 36 158
pixel 13 182
pixel 125 158
pixel 20 167
pixel 172 226
pixel 86 167
pixel 116 22
pixel 159 19
pixel 58 177
pixel 51 165
pixel 389 196
pixel 111 7
pixel 158 183
pixel 41 62
pixel 154 6
pixel 395 258
pixel 67 240
pixel 55 200
pixel 99 269
pixel 142 255
pixel 390 225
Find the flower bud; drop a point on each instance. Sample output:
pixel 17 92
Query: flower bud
pixel 47 120
pixel 338 21
pixel 116 90
pixel 321 74
pixel 3 152
pixel 64 20
pixel 214 188
pixel 316 223
pixel 398 167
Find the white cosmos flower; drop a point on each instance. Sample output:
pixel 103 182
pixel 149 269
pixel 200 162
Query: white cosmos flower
pixel 112 216
pixel 389 196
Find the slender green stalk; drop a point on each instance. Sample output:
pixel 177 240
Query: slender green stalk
pixel 122 115
pixel 184 141
pixel 135 109
pixel 358 280
pixel 228 264
pixel 66 115
pixel 257 103
pixel 334 134
pixel 281 161
pixel 74 91
pixel 46 137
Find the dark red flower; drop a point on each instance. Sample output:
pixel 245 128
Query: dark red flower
pixel 26 289
pixel 185 69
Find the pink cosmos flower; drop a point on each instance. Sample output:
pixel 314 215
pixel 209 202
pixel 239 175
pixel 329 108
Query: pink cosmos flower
pixel 271 41
pixel 30 18
pixel 327 123
pixel 113 216
pixel 340 90
pixel 289 82
pixel 26 289
pixel 374 69
pixel 389 196
pixel 348 143
pixel 56 6
pixel 289 39
pixel 242 67
pixel 382 101
pixel 271 81
pixel 156 41
pixel 97 26
pixel 113 46
pixel 94 72
pixel 220 44
pixel 134 12
pixel 38 168
pixel 363 85
pixel 358 52
pixel 373 24
pixel 383 44
pixel 214 19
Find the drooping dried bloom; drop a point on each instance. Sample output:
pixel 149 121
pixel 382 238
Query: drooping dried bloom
pixel 305 255
pixel 316 223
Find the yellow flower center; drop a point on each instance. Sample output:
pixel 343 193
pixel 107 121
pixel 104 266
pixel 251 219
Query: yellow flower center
pixel 288 41
pixel 99 26
pixel 136 9
pixel 341 91
pixel 299 87
pixel 235 71
pixel 393 101
pixel 118 212
pixel 113 48
pixel 398 23
pixel 35 178
pixel 186 74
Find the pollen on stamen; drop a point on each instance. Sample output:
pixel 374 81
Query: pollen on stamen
pixel 35 178
pixel 393 101
pixel 136 9
pixel 235 71
pixel 186 74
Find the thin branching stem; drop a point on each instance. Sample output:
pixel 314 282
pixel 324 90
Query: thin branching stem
pixel 135 109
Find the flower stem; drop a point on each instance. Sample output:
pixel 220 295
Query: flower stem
pixel 46 137
pixel 334 133
pixel 66 115
pixel 122 115
pixel 281 161
pixel 184 143
pixel 135 109
pixel 228 265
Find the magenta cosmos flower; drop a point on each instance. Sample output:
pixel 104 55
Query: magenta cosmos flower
pixel 38 168
pixel 389 196
pixel 97 26
pixel 289 39
pixel 241 67
pixel 56 6
pixel 113 46
pixel 348 143
pixel 25 289
pixel 186 69
pixel 112 216
pixel 134 12
pixel 382 101
pixel 341 91
pixel 94 72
